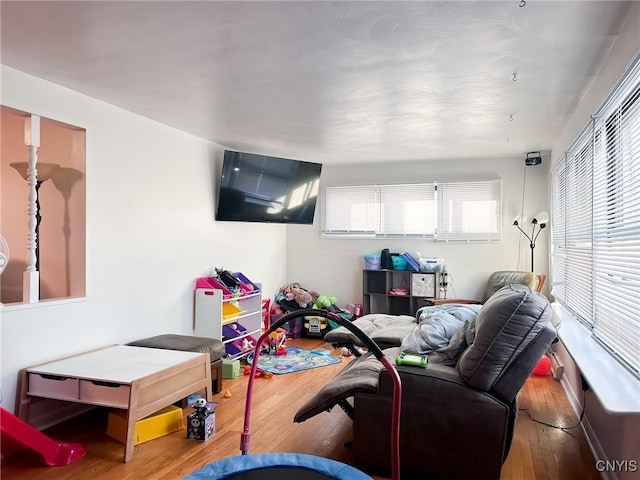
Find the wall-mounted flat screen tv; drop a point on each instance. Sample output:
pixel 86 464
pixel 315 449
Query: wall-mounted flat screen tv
pixel 259 188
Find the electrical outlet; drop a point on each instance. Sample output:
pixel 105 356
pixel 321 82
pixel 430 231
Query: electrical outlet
pixel 585 385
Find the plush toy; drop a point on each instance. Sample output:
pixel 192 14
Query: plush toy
pixel 295 295
pixel 324 302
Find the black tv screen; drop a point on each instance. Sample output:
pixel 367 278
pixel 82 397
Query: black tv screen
pixel 258 188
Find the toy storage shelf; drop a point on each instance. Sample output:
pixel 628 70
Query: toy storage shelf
pixel 421 288
pixel 232 320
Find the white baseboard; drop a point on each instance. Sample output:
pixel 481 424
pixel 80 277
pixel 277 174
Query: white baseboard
pixel 590 435
pixel 556 366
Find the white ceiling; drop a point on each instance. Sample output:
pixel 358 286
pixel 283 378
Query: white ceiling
pixel 327 81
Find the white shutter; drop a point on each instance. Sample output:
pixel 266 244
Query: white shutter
pixel 470 211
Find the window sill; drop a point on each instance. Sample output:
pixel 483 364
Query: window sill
pixel 616 387
pixel 11 307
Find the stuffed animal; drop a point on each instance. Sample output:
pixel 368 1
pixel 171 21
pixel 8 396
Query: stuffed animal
pixel 324 302
pixel 294 295
pixel 301 296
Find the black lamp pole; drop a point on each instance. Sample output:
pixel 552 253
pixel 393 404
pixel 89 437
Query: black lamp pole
pixel 534 235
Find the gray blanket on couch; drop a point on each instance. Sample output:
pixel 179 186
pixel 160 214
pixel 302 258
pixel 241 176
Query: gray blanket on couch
pixel 443 332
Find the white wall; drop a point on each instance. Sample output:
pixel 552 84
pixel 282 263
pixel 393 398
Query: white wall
pixel 334 266
pixel 150 233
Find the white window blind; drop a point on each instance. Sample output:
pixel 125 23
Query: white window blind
pixel 407 210
pixel 596 224
pixel 616 224
pixel 470 211
pixel 578 226
pixel 350 210
pixel 558 231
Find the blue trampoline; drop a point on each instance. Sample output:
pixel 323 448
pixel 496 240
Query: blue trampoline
pixel 281 466
pixel 297 466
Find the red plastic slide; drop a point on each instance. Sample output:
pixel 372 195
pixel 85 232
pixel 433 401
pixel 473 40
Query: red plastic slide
pixel 19 435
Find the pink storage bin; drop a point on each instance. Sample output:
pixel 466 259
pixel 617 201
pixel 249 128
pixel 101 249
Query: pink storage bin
pixel 210 282
pixel 238 343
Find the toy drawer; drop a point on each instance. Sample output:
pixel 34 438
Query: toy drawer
pixel 108 394
pixel 53 386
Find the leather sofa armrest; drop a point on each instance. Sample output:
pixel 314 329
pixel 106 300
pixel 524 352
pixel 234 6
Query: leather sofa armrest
pixel 439 383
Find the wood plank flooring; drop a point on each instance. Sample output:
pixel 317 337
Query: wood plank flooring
pixel 538 452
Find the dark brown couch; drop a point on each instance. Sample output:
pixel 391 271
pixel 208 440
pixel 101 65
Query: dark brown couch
pixel 457 422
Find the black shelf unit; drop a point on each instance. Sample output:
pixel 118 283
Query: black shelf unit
pixel 376 285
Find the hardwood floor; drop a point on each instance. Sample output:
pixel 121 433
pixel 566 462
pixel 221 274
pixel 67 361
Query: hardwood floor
pixel 538 452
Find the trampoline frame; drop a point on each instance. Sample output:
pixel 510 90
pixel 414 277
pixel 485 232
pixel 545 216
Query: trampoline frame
pixel 245 436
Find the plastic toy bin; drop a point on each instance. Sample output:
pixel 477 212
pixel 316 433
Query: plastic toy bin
pixel 230 312
pixel 247 286
pixel 232 349
pixel 210 282
pixel 431 265
pixel 169 419
pixel 232 330
pixel 372 262
pixel 238 343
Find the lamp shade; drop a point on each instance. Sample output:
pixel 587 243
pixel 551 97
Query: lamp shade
pixel 519 220
pixel 542 217
pixel 45 170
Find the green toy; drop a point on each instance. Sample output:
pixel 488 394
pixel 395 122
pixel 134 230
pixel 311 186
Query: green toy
pixel 412 359
pixel 323 302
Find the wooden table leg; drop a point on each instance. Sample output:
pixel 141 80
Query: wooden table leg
pixel 22 399
pixel 132 417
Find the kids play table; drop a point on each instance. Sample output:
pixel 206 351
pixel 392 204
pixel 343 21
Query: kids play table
pixel 139 380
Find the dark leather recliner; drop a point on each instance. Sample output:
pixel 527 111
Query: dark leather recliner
pixel 457 422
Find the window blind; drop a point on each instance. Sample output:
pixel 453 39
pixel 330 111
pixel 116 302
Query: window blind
pixel 469 211
pixel 407 210
pixel 350 210
pixel 596 223
pixel 616 224
pixel 558 231
pixel 578 226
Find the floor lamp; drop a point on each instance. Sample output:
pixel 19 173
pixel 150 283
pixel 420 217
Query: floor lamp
pixel 539 222
pixel 45 170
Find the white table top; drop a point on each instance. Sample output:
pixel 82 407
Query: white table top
pixel 117 363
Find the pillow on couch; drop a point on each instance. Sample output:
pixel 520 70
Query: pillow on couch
pixel 506 326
